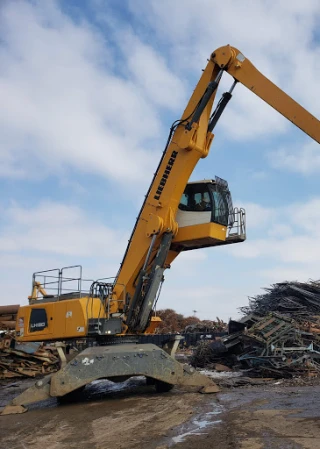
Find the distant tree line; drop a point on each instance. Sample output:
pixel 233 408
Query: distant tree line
pixel 173 322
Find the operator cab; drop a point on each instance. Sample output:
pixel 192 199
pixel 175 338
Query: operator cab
pixel 206 216
pixel 204 202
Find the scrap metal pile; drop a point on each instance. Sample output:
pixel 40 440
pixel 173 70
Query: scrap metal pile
pixel 279 337
pixel 8 315
pixel 207 326
pixel 297 300
pixel 27 360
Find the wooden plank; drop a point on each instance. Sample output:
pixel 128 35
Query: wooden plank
pixel 274 329
pixel 263 325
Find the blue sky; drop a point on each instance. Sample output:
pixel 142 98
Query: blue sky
pixel 89 90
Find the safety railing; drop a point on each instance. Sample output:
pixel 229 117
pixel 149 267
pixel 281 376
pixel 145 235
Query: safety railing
pixel 60 283
pixel 103 291
pixel 237 225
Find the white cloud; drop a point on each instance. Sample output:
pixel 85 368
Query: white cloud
pixel 294 248
pixel 279 230
pixel 72 99
pixel 276 37
pixel 210 297
pixel 257 215
pixel 59 229
pixel 151 73
pixel 63 104
pixel 292 236
pixel 303 159
pixel 248 117
pixel 299 272
pixel 53 235
pixel 307 215
pixel 200 298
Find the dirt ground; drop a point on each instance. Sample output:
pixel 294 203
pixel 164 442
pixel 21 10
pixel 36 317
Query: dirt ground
pixel 132 416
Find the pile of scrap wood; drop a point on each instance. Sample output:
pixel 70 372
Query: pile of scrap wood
pixel 27 359
pixel 279 336
pixel 8 315
pixel 207 326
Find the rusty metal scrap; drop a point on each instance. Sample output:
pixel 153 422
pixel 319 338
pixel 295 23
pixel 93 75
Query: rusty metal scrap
pixel 279 336
pixel 11 309
pixel 274 345
pixel 279 345
pixel 8 315
pixel 207 326
pixel 208 353
pixel 297 300
pixel 38 361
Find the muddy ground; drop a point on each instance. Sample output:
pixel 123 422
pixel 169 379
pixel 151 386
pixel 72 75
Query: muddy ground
pixel 133 416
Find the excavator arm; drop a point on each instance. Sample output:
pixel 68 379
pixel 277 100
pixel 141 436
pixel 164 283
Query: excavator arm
pixel 150 247
pixel 233 62
pixel 36 289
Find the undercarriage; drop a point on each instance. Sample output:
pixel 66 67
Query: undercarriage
pixel 116 363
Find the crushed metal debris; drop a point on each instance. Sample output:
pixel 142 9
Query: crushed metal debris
pixel 297 300
pixel 279 336
pixel 29 360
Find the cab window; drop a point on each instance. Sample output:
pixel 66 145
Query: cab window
pixel 221 209
pixel 196 198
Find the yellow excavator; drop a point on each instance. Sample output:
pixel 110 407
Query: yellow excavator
pixel 176 216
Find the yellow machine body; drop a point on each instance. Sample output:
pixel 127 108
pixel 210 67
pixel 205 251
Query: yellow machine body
pixel 57 319
pixel 169 221
pixel 63 320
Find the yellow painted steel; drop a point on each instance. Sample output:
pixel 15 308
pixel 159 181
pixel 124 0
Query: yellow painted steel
pixel 66 319
pixel 207 234
pixel 237 65
pixel 154 323
pixel 37 288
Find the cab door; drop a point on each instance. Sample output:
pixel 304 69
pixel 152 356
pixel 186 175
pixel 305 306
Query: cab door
pixel 40 321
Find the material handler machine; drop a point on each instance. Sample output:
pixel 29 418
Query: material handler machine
pixel 175 216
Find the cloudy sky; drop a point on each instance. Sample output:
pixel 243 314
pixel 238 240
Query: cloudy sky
pixel 88 92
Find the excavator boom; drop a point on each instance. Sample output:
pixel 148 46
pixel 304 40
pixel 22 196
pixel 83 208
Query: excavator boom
pixel 237 65
pixel 190 140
